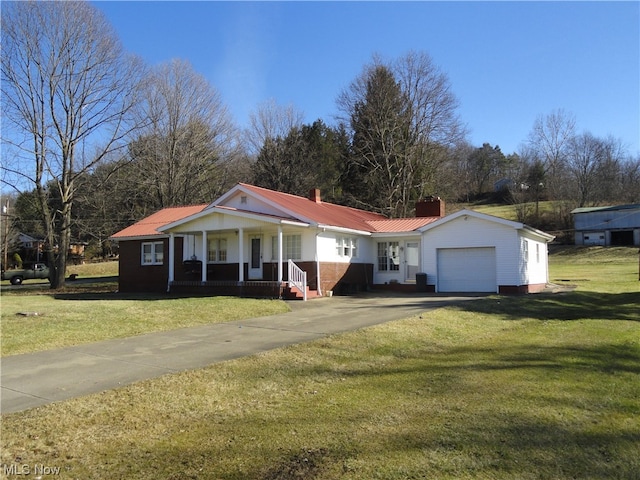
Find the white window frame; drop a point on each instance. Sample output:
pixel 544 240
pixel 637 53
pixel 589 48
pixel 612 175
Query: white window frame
pixel 217 250
pixel 388 256
pixel 153 256
pixel 291 247
pixel 347 247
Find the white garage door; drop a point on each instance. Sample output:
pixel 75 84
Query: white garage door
pixel 467 269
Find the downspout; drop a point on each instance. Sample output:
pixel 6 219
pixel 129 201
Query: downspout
pixel 318 279
pixel 280 255
pixel 280 258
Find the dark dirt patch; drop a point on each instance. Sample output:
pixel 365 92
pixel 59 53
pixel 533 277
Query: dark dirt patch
pixel 306 464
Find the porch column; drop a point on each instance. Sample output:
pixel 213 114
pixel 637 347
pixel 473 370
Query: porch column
pixel 279 253
pixel 172 256
pixel 205 255
pixel 241 255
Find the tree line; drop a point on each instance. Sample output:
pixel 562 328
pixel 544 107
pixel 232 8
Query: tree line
pixel 94 139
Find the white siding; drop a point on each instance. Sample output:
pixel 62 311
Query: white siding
pixel 243 201
pixel 219 221
pixel 537 261
pixel 192 245
pixel 520 253
pixel 471 232
pixel 393 276
pixel 327 248
pixel 308 243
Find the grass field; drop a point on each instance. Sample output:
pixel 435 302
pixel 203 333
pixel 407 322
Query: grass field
pixel 528 387
pixel 89 312
pixel 97 269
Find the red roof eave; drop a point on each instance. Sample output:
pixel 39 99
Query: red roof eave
pixel 149 226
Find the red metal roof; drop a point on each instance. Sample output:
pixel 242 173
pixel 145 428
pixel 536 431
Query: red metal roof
pixel 399 225
pixel 148 226
pixel 301 208
pixel 322 213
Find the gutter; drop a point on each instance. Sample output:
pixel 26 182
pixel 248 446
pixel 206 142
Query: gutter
pixel 343 230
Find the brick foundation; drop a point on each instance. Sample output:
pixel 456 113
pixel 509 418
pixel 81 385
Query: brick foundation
pixel 345 278
pixel 521 289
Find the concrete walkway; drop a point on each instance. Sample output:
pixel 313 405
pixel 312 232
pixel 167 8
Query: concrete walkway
pixel 35 379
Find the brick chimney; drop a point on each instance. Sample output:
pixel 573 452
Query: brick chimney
pixel 314 195
pixel 430 207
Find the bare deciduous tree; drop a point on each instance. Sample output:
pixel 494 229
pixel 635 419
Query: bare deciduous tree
pixel 584 156
pixel 630 180
pixel 189 135
pixel 434 121
pixel 609 187
pixel 549 143
pixel 403 118
pixel 68 89
pixel 595 165
pixel 269 122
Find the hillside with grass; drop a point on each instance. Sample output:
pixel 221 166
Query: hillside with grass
pixel 550 216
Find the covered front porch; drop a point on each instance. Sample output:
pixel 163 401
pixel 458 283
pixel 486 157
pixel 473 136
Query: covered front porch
pixel 232 255
pixel 297 288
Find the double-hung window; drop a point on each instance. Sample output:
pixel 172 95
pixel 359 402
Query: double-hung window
pixel 347 247
pixel 152 253
pixel 388 256
pixel 217 251
pixel 291 247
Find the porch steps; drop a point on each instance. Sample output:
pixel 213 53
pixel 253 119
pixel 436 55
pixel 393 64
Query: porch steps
pixel 293 293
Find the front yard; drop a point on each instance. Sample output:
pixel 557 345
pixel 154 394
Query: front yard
pixel 531 387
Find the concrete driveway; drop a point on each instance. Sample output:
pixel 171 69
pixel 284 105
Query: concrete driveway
pixel 35 379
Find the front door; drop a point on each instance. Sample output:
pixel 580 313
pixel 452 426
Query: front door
pixel 255 258
pixel 412 260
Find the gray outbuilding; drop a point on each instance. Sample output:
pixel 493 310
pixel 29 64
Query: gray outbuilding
pixel 613 225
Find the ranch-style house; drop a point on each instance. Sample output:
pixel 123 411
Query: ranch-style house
pixel 254 241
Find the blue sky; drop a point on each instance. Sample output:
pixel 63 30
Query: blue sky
pixel 507 62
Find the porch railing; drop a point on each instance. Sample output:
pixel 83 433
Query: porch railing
pixel 298 278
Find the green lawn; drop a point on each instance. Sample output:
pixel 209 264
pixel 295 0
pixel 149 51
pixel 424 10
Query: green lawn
pixel 71 319
pixel 528 387
pixel 510 211
pixel 84 313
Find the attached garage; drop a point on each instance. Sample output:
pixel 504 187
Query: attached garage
pixel 467 269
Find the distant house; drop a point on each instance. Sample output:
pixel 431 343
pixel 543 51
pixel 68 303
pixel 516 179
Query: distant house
pixel 503 184
pixel 33 248
pixel 30 248
pixel 613 225
pixel 28 242
pixel 255 241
